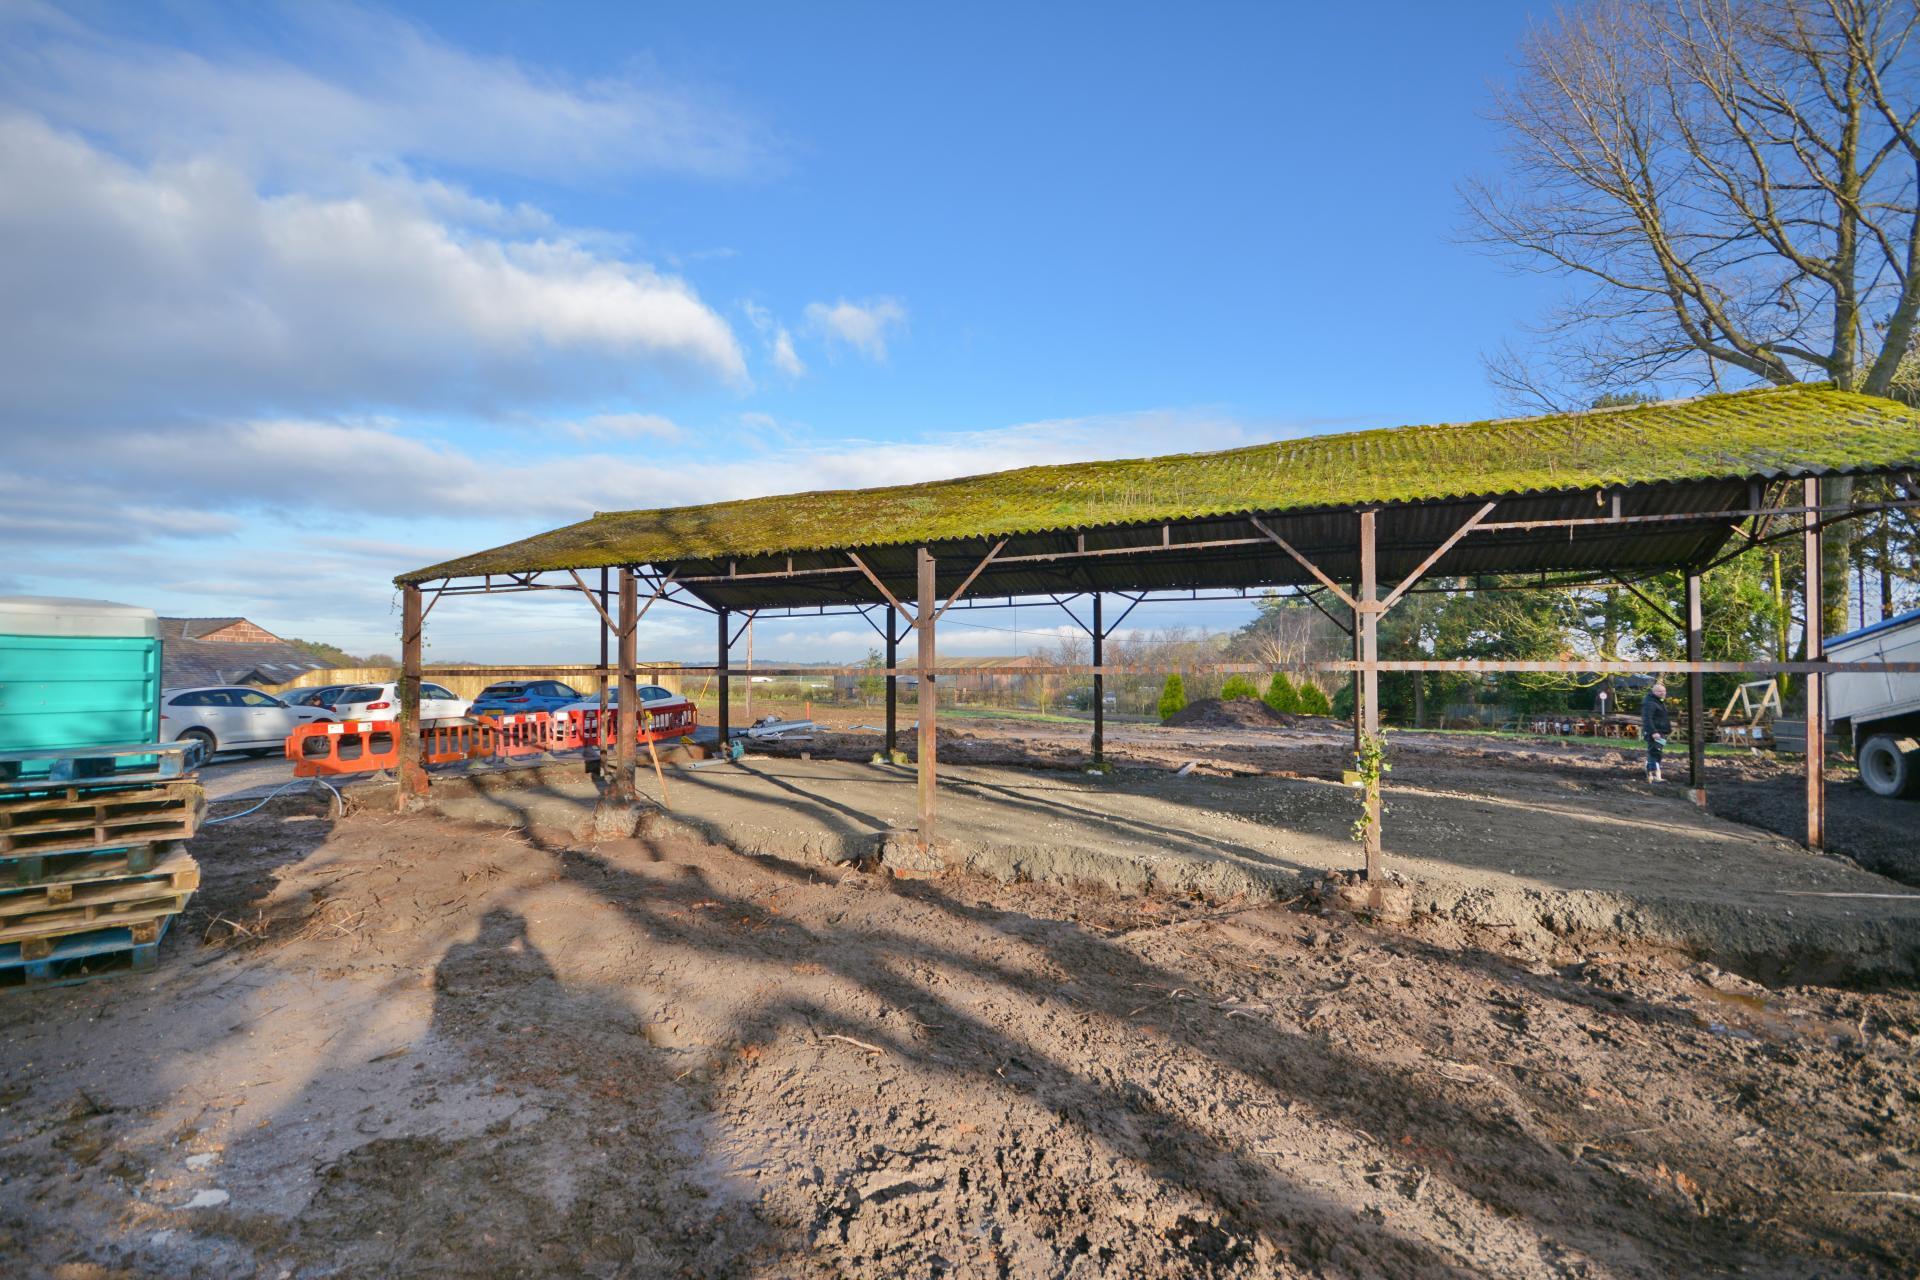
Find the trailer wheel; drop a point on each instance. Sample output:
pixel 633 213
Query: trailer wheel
pixel 1886 768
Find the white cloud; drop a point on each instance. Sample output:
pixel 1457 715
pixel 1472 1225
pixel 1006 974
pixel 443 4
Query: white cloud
pixel 369 86
pixel 785 358
pixel 211 472
pixel 35 515
pixel 777 338
pixel 181 287
pixel 625 426
pixel 860 325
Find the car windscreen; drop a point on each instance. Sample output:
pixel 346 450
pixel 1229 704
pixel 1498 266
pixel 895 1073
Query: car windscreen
pixel 503 690
pixel 362 693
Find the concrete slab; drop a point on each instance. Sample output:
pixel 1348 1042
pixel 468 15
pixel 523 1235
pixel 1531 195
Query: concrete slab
pixel 1529 853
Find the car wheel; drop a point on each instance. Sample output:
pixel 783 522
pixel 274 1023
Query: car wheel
pixel 1886 769
pixel 208 743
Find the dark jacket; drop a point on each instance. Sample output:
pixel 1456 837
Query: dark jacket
pixel 1654 718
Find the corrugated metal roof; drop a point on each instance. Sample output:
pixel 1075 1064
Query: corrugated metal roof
pixel 1692 455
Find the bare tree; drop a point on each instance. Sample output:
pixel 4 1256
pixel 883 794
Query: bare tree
pixel 1732 186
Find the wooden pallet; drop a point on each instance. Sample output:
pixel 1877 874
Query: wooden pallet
pixel 78 819
pixel 177 873
pixel 35 935
pixel 87 864
pixel 80 957
pixel 96 766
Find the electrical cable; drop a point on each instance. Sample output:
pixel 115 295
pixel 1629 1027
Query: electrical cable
pixel 271 794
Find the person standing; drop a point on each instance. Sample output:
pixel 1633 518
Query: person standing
pixel 1655 725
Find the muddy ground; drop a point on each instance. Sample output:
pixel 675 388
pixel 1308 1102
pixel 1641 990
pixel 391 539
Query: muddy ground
pixel 1751 787
pixel 388 1046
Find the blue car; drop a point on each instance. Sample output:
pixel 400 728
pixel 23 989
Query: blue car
pixel 515 697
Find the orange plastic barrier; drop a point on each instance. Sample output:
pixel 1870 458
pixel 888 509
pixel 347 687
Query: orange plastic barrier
pixel 354 746
pixel 346 746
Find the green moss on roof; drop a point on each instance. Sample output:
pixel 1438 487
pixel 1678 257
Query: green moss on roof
pixel 1774 431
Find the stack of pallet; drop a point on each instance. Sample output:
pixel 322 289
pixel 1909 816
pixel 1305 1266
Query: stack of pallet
pixel 91 876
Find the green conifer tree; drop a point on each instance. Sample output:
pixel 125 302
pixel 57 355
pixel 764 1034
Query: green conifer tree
pixel 1173 696
pixel 1282 696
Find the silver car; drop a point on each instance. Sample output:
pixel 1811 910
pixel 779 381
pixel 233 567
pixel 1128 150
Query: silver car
pixel 232 717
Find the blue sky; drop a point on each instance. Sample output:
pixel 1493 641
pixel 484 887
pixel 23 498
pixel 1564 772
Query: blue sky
pixel 299 297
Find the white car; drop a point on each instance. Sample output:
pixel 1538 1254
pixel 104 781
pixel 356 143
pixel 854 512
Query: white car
pixel 653 699
pixel 382 702
pixel 231 717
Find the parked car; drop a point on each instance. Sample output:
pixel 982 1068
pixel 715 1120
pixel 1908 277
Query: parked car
pixel 232 718
pixel 513 697
pixel 319 696
pixel 652 698
pixel 382 702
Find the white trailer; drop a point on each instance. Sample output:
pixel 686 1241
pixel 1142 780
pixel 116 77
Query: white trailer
pixel 1882 709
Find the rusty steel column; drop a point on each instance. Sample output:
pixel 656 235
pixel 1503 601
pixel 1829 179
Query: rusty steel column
pixel 1696 696
pixel 929 743
pixel 1358 656
pixel 606 611
pixel 1099 685
pixel 893 684
pixel 721 681
pixel 1815 683
pixel 1367 704
pixel 413 776
pixel 627 722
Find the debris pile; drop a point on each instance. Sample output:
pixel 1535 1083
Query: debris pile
pixel 1239 713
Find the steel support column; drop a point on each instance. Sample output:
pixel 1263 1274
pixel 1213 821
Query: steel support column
pixel 1099 685
pixel 1696 697
pixel 893 687
pixel 1358 656
pixel 720 678
pixel 1367 703
pixel 627 729
pixel 1816 683
pixel 929 749
pixel 604 674
pixel 413 776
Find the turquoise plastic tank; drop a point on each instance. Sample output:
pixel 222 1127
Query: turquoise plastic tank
pixel 76 673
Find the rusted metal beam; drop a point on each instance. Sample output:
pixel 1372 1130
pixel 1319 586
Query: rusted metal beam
pixel 1570 666
pixel 577 670
pixel 961 590
pixel 1814 549
pixel 881 587
pixel 620 786
pixel 929 703
pixel 893 690
pixel 1166 544
pixel 1679 517
pixel 1305 563
pixel 602 675
pixel 600 607
pixel 1696 697
pixel 1453 539
pixel 1678 623
pixel 1369 692
pixel 413 774
pixel 723 681
pixel 1099 636
pixel 1313 598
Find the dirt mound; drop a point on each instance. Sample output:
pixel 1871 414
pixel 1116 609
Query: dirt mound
pixel 1240 713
